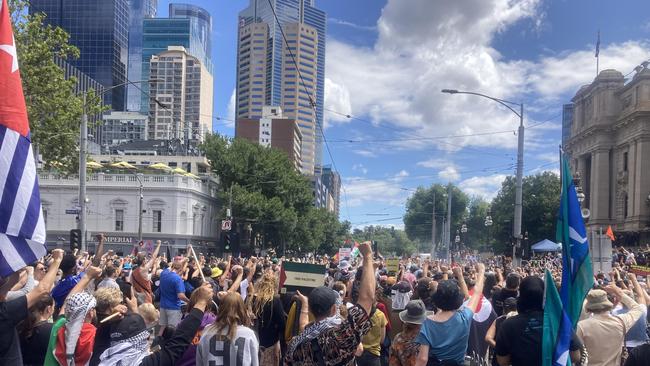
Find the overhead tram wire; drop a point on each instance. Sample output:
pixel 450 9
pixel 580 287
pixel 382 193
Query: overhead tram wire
pixel 311 101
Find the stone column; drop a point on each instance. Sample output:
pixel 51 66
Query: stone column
pixel 599 204
pixel 641 166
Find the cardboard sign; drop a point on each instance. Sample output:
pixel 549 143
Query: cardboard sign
pixel 345 253
pixel 640 270
pixel 392 265
pixel 301 277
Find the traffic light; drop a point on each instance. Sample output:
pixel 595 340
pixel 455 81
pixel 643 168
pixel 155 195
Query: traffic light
pixel 226 242
pixel 75 239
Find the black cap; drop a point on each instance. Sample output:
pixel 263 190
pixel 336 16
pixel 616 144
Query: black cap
pixel 130 326
pixel 321 300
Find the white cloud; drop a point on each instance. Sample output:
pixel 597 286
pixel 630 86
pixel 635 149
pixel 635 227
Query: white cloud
pixel 337 99
pixel 435 163
pixel 486 186
pixel 424 46
pixel 449 174
pixel 360 168
pixel 351 25
pixel 402 173
pixel 548 157
pixel 231 108
pixel 365 153
pixel 387 191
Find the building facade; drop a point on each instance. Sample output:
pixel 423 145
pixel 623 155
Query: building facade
pixel 305 29
pixel 180 107
pixel 120 127
pixel 610 153
pixel 273 131
pixel 332 180
pixel 142 158
pixel 99 28
pixel 139 10
pixel 176 210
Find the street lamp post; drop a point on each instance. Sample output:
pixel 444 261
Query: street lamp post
pixel 516 230
pixel 137 176
pixel 83 151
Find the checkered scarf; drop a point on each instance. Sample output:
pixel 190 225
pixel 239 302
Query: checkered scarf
pixel 76 308
pixel 130 351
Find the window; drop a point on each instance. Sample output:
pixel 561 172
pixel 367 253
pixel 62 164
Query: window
pixel 119 220
pixel 626 206
pixel 45 216
pixel 157 221
pixel 625 161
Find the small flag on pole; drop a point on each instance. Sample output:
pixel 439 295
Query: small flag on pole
pixel 22 227
pixel 610 233
pixel 598 45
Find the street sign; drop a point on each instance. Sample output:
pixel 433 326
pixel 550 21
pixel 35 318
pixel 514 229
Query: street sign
pixel 226 225
pixel 72 212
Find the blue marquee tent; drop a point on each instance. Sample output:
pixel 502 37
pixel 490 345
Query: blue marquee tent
pixel 546 246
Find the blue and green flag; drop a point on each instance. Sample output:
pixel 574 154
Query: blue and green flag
pixel 577 274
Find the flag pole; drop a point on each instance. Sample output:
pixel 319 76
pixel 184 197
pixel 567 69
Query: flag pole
pixel 598 54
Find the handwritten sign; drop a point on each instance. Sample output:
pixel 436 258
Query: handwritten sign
pixel 392 265
pixel 301 276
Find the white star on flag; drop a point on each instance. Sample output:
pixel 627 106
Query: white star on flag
pixel 11 50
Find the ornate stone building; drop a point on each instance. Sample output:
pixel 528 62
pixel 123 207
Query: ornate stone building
pixel 610 153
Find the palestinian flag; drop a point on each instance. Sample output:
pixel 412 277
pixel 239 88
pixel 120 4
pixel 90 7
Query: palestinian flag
pixel 481 322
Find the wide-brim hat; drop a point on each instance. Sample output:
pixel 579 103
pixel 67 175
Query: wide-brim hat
pixel 597 301
pixel 415 312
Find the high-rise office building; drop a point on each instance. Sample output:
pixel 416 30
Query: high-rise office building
pixel 305 28
pixel 567 121
pixel 200 31
pixel 121 127
pixel 139 10
pixel 332 180
pixel 273 130
pixel 99 28
pixel 180 106
pixel 188 26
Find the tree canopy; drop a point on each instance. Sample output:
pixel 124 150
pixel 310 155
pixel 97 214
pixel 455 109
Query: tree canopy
pixel 270 195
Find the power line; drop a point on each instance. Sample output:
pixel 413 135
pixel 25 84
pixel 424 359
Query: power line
pixel 311 102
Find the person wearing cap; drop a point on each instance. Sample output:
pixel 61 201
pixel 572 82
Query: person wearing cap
pixel 603 333
pixel 329 340
pixel 444 337
pixel 404 350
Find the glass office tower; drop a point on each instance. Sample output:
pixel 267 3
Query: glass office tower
pixel 200 30
pixel 99 28
pixel 139 10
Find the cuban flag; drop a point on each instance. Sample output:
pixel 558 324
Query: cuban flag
pixel 22 227
pixel 577 277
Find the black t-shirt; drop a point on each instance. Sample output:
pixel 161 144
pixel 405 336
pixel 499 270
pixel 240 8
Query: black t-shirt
pixel 270 325
pixel 35 347
pixel 639 356
pixel 11 313
pixel 499 297
pixel 521 338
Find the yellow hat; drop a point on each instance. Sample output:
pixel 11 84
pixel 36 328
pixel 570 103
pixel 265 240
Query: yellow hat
pixel 216 272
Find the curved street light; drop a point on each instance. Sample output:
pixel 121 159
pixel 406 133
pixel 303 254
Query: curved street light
pixel 516 230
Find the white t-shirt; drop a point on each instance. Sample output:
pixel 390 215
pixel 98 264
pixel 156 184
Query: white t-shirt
pixel 108 282
pixel 215 349
pixel 243 288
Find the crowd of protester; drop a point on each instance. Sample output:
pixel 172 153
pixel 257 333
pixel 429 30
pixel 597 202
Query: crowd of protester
pixel 150 309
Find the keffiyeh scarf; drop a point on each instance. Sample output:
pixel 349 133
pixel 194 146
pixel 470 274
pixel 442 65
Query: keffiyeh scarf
pixel 127 352
pixel 312 331
pixel 76 308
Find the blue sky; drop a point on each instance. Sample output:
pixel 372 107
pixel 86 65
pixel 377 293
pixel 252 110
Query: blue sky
pixel 388 60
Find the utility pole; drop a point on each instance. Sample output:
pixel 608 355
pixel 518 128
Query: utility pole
pixel 448 231
pixel 519 184
pixel 433 225
pixel 83 145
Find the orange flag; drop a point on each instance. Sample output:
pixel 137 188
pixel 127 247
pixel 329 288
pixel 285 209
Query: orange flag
pixel 610 233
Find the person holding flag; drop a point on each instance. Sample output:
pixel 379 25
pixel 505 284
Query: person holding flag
pixel 560 320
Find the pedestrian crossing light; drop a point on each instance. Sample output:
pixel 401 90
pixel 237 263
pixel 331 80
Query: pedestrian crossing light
pixel 226 245
pixel 75 239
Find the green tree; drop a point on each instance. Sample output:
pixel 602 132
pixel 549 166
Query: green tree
pixel 271 196
pixel 541 199
pixel 418 216
pixel 390 241
pixel 53 108
pixel 477 233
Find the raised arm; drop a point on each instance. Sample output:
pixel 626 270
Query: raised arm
pixel 45 285
pixel 458 273
pixel 91 273
pixel 640 294
pixel 368 285
pixel 100 250
pixel 478 288
pixel 154 256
